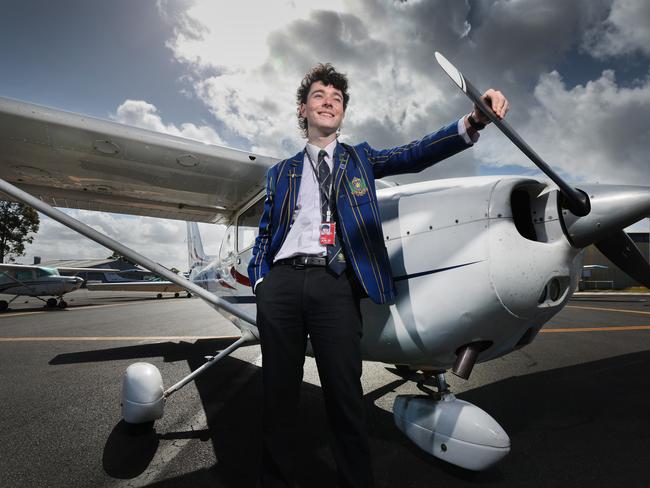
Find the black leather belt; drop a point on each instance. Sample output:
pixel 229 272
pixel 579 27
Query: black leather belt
pixel 303 261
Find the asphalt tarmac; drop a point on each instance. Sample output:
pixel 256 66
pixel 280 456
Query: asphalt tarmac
pixel 575 402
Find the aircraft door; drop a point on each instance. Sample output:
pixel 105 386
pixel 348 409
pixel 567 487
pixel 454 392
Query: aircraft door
pixel 227 256
pixel 248 223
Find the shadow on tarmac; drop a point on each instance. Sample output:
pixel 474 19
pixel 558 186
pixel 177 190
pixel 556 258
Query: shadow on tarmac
pixel 584 425
pixel 169 351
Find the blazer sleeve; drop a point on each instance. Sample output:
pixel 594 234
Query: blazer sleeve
pixel 260 263
pixel 417 155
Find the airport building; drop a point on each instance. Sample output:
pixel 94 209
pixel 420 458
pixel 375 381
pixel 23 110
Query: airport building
pixel 610 277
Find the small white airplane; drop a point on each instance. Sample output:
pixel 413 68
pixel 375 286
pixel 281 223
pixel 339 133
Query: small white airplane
pixel 481 263
pixel 144 281
pixel 39 281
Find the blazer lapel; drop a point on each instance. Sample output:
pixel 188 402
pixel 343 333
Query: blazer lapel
pixel 341 158
pixel 293 177
pixel 294 165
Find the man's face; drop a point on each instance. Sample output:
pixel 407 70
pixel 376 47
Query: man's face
pixel 324 109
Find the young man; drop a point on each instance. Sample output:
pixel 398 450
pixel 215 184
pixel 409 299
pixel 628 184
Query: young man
pixel 320 249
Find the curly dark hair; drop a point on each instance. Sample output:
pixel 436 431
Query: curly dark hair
pixel 326 74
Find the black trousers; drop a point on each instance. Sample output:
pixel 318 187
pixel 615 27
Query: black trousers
pixel 292 304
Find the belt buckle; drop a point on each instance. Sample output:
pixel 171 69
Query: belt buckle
pixel 298 263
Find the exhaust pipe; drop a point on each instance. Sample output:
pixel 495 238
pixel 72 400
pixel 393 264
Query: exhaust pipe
pixel 466 357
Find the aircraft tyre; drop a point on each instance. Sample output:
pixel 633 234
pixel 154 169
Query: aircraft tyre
pixel 51 303
pixel 159 296
pixel 62 304
pixel 189 295
pixel 4 305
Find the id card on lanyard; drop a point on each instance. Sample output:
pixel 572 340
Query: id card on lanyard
pixel 327 231
pixel 327 228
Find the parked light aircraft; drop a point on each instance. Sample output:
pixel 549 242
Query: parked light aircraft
pixel 157 287
pixel 480 263
pixel 39 281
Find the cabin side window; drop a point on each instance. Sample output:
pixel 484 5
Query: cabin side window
pixel 24 275
pixel 248 224
pixel 7 277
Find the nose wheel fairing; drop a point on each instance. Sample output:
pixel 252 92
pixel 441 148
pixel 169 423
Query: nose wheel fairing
pixel 450 429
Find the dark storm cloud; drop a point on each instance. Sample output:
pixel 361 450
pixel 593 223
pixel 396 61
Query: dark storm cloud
pixel 398 93
pixel 326 36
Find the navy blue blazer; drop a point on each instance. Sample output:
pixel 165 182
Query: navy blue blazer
pixel 357 212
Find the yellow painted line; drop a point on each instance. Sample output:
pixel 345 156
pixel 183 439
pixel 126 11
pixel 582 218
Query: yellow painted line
pixel 609 309
pixel 600 329
pixel 74 308
pixel 20 314
pixel 115 338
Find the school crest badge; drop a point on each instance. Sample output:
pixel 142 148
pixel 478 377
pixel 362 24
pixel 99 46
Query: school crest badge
pixel 358 187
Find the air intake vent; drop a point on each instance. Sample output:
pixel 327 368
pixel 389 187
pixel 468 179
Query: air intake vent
pixel 522 214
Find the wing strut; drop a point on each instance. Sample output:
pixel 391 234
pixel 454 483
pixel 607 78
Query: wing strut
pixel 119 248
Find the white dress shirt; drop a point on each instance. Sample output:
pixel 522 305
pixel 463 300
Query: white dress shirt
pixel 304 235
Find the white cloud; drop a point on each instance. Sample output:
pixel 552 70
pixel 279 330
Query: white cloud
pixel 145 115
pixel 625 30
pixel 163 241
pixel 593 132
pixel 233 37
pixel 254 95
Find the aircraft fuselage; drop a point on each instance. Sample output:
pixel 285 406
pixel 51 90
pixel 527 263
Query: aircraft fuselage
pixel 475 260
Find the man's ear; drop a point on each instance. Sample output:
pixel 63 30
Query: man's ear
pixel 303 109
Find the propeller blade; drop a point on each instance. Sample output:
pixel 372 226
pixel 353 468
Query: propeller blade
pixel 621 250
pixel 574 200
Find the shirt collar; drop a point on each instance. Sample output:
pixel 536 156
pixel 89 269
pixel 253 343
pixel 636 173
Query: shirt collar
pixel 329 149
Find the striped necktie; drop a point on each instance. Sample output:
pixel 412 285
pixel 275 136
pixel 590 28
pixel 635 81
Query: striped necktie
pixel 335 257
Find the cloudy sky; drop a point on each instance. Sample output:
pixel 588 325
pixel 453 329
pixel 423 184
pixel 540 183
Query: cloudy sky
pixel 577 75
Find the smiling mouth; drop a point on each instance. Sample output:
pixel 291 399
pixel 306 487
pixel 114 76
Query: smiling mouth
pixel 326 114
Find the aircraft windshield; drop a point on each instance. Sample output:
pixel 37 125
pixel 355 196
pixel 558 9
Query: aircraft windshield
pixel 41 272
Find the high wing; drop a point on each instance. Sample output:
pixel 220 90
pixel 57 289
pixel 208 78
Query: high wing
pixel 74 161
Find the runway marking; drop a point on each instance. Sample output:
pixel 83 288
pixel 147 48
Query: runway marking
pixel 599 329
pixel 610 309
pixel 74 308
pixel 115 338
